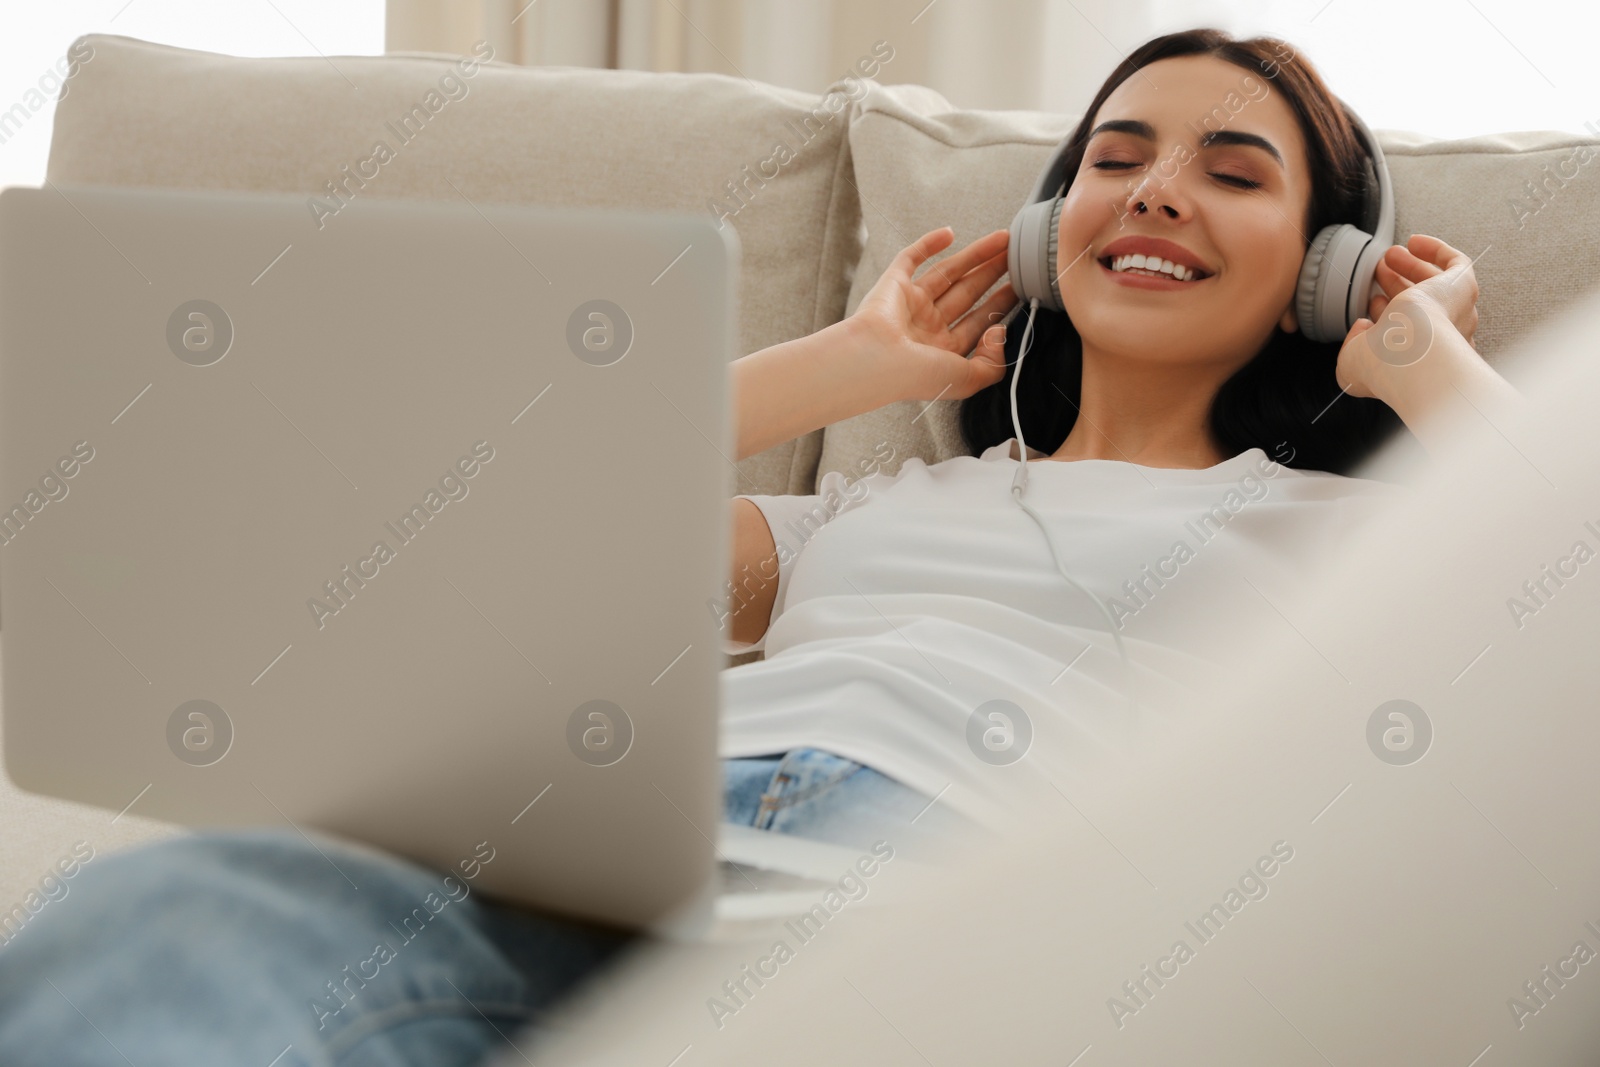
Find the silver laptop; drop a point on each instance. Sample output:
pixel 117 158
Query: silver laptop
pixel 400 524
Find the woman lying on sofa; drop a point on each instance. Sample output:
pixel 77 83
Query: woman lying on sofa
pixel 900 655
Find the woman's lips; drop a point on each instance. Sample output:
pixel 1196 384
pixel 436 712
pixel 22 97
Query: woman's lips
pixel 1145 281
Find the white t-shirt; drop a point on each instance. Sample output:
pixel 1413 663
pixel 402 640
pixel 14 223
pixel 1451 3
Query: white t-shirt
pixel 905 602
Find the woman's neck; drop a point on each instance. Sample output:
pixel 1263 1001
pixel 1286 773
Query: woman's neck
pixel 1152 414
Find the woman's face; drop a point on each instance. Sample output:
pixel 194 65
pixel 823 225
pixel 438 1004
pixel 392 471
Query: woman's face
pixel 1218 161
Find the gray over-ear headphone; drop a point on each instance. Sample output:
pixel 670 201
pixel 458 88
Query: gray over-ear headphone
pixel 1335 276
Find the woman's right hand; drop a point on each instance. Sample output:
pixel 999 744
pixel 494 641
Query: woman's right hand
pixel 916 333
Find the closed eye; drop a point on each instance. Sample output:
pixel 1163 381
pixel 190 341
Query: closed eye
pixel 1232 179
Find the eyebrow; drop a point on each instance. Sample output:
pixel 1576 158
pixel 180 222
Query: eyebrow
pixel 1213 137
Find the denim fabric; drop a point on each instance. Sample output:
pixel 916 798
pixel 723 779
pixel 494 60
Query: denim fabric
pixel 265 949
pixel 818 795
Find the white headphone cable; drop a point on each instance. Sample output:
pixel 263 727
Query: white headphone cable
pixel 1020 482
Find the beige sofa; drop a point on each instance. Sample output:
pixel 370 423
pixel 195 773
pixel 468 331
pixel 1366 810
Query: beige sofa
pixel 871 169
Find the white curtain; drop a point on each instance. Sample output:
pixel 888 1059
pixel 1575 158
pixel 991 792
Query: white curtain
pixel 1047 55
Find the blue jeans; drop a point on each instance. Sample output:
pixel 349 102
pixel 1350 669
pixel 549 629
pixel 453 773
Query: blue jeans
pixel 250 948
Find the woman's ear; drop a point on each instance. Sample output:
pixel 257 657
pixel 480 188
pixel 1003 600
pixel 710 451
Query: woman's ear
pixel 1289 322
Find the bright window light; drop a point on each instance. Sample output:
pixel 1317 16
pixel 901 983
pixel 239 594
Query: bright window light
pixel 34 38
pixel 1447 68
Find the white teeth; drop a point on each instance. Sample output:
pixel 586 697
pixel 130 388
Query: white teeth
pixel 1154 264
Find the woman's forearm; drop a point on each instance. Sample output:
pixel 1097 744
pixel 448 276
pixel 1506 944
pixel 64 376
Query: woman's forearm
pixel 1428 394
pixel 793 388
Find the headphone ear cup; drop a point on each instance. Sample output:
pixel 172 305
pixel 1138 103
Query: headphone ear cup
pixel 1328 279
pixel 1052 272
pixel 1311 271
pixel 1363 276
pixel 1030 256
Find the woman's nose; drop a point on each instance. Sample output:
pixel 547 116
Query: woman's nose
pixel 1152 194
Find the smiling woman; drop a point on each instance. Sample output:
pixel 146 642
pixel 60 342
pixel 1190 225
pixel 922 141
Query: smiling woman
pixel 1192 191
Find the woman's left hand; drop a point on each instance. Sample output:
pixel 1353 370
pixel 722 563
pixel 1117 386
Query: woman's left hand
pixel 1425 285
pixel 1420 260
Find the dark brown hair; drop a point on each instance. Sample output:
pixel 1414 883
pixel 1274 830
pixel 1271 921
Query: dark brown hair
pixel 1282 401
